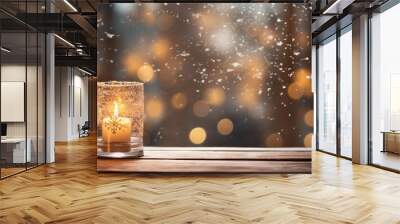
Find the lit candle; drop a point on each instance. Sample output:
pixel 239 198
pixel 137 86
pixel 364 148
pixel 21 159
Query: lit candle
pixel 115 128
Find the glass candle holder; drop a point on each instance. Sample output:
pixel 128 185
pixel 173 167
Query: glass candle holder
pixel 120 114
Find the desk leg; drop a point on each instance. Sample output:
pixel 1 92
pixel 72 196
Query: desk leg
pixel 384 142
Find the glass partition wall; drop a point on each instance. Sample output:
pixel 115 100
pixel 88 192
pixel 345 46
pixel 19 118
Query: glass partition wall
pixel 327 95
pixel 345 92
pixel 385 89
pixel 22 87
pixel 334 94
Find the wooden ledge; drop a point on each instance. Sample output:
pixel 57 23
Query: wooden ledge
pixel 212 160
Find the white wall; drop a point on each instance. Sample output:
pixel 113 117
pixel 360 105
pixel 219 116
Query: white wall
pixel 16 73
pixel 71 102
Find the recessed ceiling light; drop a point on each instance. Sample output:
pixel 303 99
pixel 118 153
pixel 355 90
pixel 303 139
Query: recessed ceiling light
pixel 70 5
pixel 337 7
pixel 84 71
pixel 64 40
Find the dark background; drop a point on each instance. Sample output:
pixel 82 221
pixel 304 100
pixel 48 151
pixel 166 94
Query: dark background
pixel 248 62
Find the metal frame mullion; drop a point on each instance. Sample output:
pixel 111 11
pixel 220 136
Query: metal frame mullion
pixel 317 97
pixel 26 87
pixel 369 78
pixel 37 91
pixel 338 95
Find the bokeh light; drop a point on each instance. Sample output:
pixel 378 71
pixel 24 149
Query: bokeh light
pixel 233 69
pixel 309 118
pixel 225 126
pixel 132 62
pixel 154 109
pixel 197 135
pixel 274 140
pixel 302 78
pixel 145 73
pixel 160 48
pixel 308 140
pixel 215 96
pixel 179 100
pixel 201 108
pixel 295 92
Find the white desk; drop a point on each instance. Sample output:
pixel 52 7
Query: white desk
pixel 18 144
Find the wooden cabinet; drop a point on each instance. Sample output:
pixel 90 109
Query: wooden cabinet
pixel 391 142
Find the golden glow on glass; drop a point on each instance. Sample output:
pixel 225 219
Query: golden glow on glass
pixel 309 118
pixel 274 140
pixel 201 108
pixel 215 96
pixel 179 100
pixel 115 128
pixel 120 110
pixel 145 73
pixel 225 126
pixel 116 109
pixel 197 135
pixel 154 109
pixel 308 140
pixel 295 92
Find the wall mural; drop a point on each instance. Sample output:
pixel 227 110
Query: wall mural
pixel 215 74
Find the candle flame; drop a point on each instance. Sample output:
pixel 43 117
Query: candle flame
pixel 116 109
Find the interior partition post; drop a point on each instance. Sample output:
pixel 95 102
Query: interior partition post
pixel 338 98
pixel 50 91
pixel 316 97
pixel 360 90
pixel 50 99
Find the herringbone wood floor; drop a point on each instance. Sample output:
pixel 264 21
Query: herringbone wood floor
pixel 70 191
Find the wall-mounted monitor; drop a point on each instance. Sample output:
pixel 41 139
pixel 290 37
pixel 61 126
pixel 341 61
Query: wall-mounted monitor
pixel 12 101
